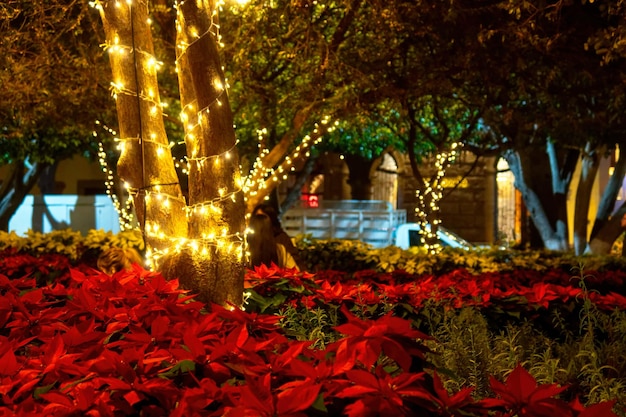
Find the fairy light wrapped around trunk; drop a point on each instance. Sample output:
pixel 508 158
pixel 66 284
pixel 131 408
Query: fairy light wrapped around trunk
pixel 200 241
pixel 147 170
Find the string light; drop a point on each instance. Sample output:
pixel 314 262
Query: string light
pixel 428 200
pixel 217 239
pixel 263 178
pixel 125 211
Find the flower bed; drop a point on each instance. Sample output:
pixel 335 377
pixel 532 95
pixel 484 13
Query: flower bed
pixel 74 341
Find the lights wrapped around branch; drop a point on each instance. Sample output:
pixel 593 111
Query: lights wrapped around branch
pixel 223 243
pixel 261 176
pixel 433 191
pixel 219 239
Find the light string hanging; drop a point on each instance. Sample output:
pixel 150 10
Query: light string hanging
pixel 139 114
pixel 258 180
pixel 151 192
pixel 261 176
pixel 125 211
pixel 220 237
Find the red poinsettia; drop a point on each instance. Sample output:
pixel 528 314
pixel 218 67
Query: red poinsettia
pixel 381 394
pixel 369 338
pixel 603 409
pixel 256 398
pixel 520 395
pixel 457 404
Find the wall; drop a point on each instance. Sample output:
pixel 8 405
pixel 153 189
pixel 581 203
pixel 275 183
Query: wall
pixel 44 213
pixel 79 201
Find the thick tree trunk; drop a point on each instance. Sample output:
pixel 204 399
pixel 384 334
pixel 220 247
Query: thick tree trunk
pixel 606 226
pixel 590 163
pixel 201 244
pixel 145 162
pixel 20 181
pixel 552 225
pixel 216 204
pixel 605 237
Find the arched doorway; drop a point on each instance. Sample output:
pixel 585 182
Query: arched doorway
pixel 385 181
pixel 508 225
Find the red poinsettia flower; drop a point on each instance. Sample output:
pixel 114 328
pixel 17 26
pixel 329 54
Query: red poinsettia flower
pixel 603 409
pixel 523 397
pixel 451 405
pixel 380 394
pixel 369 338
pixel 256 399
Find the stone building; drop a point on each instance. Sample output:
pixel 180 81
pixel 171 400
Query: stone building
pixel 470 197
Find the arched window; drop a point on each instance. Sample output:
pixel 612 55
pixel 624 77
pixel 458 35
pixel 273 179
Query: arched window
pixel 385 181
pixel 508 227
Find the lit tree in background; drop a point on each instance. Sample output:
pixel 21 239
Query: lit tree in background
pixel 197 238
pixel 289 84
pixel 416 69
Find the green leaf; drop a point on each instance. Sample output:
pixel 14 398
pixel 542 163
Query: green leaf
pixel 319 403
pixel 43 390
pixel 184 366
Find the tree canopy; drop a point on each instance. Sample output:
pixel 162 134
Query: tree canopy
pixel 53 88
pixel 505 78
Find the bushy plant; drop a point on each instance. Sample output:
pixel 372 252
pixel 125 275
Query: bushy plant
pixel 350 255
pixel 70 243
pixel 74 341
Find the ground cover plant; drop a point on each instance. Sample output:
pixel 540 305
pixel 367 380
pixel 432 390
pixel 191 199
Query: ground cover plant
pixel 74 341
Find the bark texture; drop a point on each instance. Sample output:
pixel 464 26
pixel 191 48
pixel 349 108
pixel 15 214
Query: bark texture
pixel 544 193
pixel 200 240
pixel 145 162
pixel 606 227
pixel 216 204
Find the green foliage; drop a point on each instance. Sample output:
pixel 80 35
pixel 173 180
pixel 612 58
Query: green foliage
pixel 470 346
pixel 352 255
pixel 315 324
pixel 463 348
pixel 55 81
pixel 71 243
pixel 103 240
pixel 335 254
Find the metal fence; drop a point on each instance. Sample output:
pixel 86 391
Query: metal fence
pixel 371 222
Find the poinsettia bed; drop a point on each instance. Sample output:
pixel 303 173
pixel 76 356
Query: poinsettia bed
pixel 74 341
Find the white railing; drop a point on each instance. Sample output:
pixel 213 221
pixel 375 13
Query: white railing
pixel 372 226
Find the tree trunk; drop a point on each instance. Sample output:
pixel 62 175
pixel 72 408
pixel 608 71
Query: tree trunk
pixel 145 162
pixel 216 204
pixel 201 244
pixel 20 181
pixel 605 231
pixel 604 238
pixel 47 179
pixel 552 226
pixel 590 162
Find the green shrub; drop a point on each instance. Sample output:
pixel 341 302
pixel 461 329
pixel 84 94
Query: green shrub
pixel 351 255
pixel 71 243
